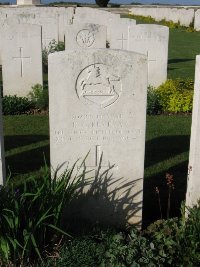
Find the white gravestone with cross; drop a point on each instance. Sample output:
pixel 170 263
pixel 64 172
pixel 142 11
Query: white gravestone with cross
pixel 85 36
pixel 152 40
pixel 193 183
pixel 98 105
pixel 22 58
pixel 119 33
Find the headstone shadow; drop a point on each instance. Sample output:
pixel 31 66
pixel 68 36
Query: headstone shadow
pixel 16 141
pixel 164 147
pixel 103 200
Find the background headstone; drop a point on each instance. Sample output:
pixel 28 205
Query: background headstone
pixel 85 36
pixel 22 58
pixel 96 16
pixel 119 33
pixel 97 103
pixel 151 40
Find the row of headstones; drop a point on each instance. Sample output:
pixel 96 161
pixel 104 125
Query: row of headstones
pixel 21 51
pixel 97 104
pixel 185 16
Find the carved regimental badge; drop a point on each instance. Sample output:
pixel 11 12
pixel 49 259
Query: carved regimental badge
pixel 85 38
pixel 97 85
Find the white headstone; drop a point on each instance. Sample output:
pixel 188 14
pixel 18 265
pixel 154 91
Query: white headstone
pixel 22 58
pixel 197 20
pixel 28 2
pixel 2 152
pixel 96 16
pixel 98 104
pixel 151 40
pixel 119 33
pixel 85 36
pixel 49 30
pixel 193 185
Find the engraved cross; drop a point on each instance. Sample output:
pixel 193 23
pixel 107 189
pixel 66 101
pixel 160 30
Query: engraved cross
pixel 22 59
pixel 96 166
pixel 122 39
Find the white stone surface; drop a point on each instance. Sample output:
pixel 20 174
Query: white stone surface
pixel 97 101
pixel 197 20
pixel 21 58
pixel 119 33
pixel 193 184
pixel 28 2
pixel 49 30
pixel 85 36
pixel 96 16
pixel 151 40
pixel 35 15
pixel 2 151
pixel 183 15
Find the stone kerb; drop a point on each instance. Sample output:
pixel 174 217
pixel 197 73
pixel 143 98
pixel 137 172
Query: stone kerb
pixel 85 36
pixel 97 103
pixel 21 58
pixel 151 40
pixel 193 183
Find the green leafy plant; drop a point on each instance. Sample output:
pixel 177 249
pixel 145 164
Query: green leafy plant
pixel 31 214
pixel 14 105
pixel 153 104
pixel 176 96
pixel 39 96
pixel 165 243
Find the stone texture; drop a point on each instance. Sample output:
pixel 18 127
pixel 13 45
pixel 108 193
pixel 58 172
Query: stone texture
pixel 22 58
pixel 98 103
pixel 85 36
pixel 37 15
pixel 28 2
pixel 119 33
pixel 197 20
pixel 193 185
pixel 151 40
pixel 2 152
pixel 96 16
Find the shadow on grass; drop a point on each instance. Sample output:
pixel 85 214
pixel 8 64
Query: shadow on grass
pixel 15 141
pixel 28 161
pixel 165 147
pixel 178 60
pixel 151 210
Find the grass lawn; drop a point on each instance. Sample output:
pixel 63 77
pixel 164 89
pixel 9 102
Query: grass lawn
pixel 183 48
pixel 167 145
